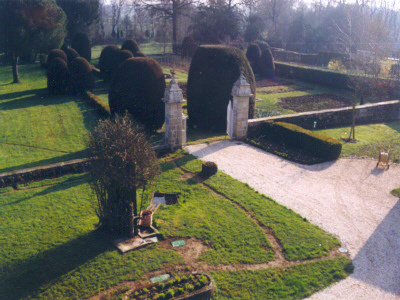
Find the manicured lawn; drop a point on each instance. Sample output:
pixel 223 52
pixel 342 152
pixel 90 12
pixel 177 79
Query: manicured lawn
pixel 369 139
pixel 50 250
pixel 38 128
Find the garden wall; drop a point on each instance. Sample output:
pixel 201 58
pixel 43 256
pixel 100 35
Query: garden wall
pixel 381 112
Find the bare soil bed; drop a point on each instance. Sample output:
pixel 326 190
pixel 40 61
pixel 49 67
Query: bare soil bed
pixel 313 102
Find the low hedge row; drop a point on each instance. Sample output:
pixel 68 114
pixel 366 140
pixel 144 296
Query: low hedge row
pixel 99 105
pixel 295 136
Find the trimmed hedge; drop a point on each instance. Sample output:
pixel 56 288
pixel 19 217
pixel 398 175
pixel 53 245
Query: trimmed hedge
pixel 81 75
pixel 189 46
pixel 253 54
pixel 71 54
pixel 267 65
pixel 138 86
pixel 81 44
pixel 57 76
pixel 295 136
pixel 107 61
pixel 213 71
pixel 97 104
pixel 131 45
pixel 53 54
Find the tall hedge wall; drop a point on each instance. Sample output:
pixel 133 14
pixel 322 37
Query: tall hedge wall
pixel 213 71
pixel 138 86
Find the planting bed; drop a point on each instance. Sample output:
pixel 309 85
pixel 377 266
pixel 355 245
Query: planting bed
pixel 313 102
pixel 194 286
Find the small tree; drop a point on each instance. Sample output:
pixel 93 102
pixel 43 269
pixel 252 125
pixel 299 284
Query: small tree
pixel 123 162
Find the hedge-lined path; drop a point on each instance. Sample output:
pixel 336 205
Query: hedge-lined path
pixel 349 198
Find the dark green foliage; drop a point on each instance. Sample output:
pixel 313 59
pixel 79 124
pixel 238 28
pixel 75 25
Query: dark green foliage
pixel 138 86
pixel 57 76
pixel 123 55
pixel 81 44
pixel 107 61
pixel 189 46
pixel 253 54
pixel 53 54
pixel 254 28
pixel 213 71
pixel 71 54
pixel 209 168
pixel 82 78
pixel 293 135
pixel 131 45
pixel 263 45
pixel 267 65
pixel 124 162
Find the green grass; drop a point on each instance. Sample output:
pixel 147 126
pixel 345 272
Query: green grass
pixel 369 139
pixel 299 238
pixel 296 282
pixel 37 128
pixel 396 192
pixel 50 250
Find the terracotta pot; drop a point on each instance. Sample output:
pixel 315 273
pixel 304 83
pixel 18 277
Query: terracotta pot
pixel 147 218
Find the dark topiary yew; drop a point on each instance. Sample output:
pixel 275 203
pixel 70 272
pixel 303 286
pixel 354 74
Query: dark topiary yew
pixel 107 61
pixel 131 45
pixel 189 46
pixel 209 168
pixel 71 54
pixel 139 54
pixel 267 65
pixel 57 76
pixel 81 44
pixel 213 71
pixel 138 86
pixel 253 54
pixel 81 76
pixel 53 54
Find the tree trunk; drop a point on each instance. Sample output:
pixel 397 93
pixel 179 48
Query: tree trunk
pixel 15 69
pixel 174 25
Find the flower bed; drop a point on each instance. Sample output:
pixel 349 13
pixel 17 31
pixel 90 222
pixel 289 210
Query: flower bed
pixel 194 286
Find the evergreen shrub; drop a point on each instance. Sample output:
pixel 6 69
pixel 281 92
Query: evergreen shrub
pixel 107 61
pixel 71 54
pixel 80 42
pixel 81 75
pixel 209 168
pixel 267 65
pixel 253 54
pixel 138 86
pixel 189 46
pixel 296 136
pixel 57 76
pixel 139 54
pixel 262 45
pixel 53 54
pixel 213 71
pixel 131 45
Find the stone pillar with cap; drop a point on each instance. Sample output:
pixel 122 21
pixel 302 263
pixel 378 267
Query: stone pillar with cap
pixel 175 120
pixel 241 93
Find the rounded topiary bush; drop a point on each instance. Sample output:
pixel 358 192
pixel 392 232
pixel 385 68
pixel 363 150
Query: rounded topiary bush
pixel 53 54
pixel 213 71
pixel 209 168
pixel 71 54
pixel 139 54
pixel 138 86
pixel 267 65
pixel 262 45
pixel 57 76
pixel 131 45
pixel 81 76
pixel 253 54
pixel 189 46
pixel 108 61
pixel 81 44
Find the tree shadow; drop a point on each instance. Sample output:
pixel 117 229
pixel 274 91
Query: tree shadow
pixel 37 92
pixel 377 262
pixel 27 277
pixel 45 162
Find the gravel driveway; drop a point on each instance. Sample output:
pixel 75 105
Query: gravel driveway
pixel 348 198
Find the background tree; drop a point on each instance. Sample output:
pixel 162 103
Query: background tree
pixel 80 14
pixel 124 162
pixel 28 26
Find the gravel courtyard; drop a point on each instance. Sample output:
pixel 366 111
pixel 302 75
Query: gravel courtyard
pixel 348 198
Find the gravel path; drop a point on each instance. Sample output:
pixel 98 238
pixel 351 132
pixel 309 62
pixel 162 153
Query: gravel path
pixel 348 198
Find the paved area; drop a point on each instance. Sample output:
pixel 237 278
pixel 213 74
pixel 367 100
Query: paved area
pixel 348 198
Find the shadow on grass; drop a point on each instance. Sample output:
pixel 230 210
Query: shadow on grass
pixel 26 278
pixel 377 263
pixel 56 188
pixel 36 92
pixel 45 162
